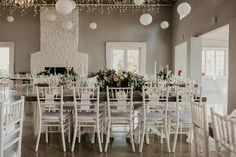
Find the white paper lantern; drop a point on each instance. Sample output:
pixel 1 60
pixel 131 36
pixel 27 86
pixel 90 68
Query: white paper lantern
pixel 164 24
pixel 138 2
pixel 146 19
pixel 10 19
pixel 184 8
pixel 51 17
pixel 67 25
pixel 93 25
pixel 73 4
pixel 64 7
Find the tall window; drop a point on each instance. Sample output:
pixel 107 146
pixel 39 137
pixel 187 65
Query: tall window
pixel 214 62
pixel 4 60
pixel 126 56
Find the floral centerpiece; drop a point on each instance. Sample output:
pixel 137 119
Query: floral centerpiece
pixel 62 79
pixel 164 73
pixel 111 78
pixel 45 72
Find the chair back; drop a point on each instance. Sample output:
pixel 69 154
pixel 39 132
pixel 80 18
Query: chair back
pixel 86 100
pixel 50 99
pixel 11 125
pixel 155 99
pixel 200 127
pixel 119 100
pixel 224 130
pixel 196 93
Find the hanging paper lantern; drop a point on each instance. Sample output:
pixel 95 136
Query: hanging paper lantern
pixel 10 19
pixel 138 2
pixel 51 17
pixel 67 25
pixel 73 4
pixel 93 25
pixel 184 9
pixel 164 24
pixel 64 7
pixel 145 19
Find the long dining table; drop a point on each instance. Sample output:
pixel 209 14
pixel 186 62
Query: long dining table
pixel 68 99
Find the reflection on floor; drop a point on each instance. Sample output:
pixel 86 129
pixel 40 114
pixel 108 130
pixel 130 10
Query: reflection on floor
pixel 119 147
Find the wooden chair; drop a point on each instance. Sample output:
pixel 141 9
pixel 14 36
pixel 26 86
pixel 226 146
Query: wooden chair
pixel 153 118
pixel 120 111
pixel 224 131
pixel 51 113
pixel 181 120
pixel 87 113
pixel 200 128
pixel 11 126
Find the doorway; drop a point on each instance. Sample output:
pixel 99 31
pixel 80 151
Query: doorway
pixel 214 74
pixel 6 58
pixel 181 60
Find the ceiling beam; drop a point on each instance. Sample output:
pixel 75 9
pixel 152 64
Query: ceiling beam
pixel 168 1
pixel 105 5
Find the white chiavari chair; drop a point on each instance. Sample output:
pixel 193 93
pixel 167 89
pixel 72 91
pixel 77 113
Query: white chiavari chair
pixel 87 114
pixel 11 126
pixel 51 113
pixel 119 112
pixel 154 114
pixel 200 128
pixel 224 132
pixel 181 120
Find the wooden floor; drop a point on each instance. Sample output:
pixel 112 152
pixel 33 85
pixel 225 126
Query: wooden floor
pixel 119 147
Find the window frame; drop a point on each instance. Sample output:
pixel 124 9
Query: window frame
pixel 10 45
pixel 215 49
pixel 110 46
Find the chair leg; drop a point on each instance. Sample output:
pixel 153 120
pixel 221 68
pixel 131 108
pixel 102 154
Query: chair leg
pixel 176 136
pixel 79 134
pixel 46 133
pixel 196 147
pixel 108 135
pixel 93 137
pixel 142 137
pixel 63 137
pixel 139 133
pixel 38 138
pixel 161 135
pixel 74 138
pixel 102 133
pixel 147 136
pixel 99 138
pixel 167 140
pixel 132 136
pixel 69 131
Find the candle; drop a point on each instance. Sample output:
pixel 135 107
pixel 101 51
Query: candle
pixel 67 63
pixel 155 72
pixel 82 69
pixel 155 68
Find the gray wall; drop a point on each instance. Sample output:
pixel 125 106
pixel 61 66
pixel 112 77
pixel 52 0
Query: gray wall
pixel 124 28
pixel 200 21
pixel 25 33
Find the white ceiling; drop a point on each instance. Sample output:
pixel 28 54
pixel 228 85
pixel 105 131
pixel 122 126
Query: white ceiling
pixel 221 33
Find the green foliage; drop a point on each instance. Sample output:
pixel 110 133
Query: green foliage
pixel 111 78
